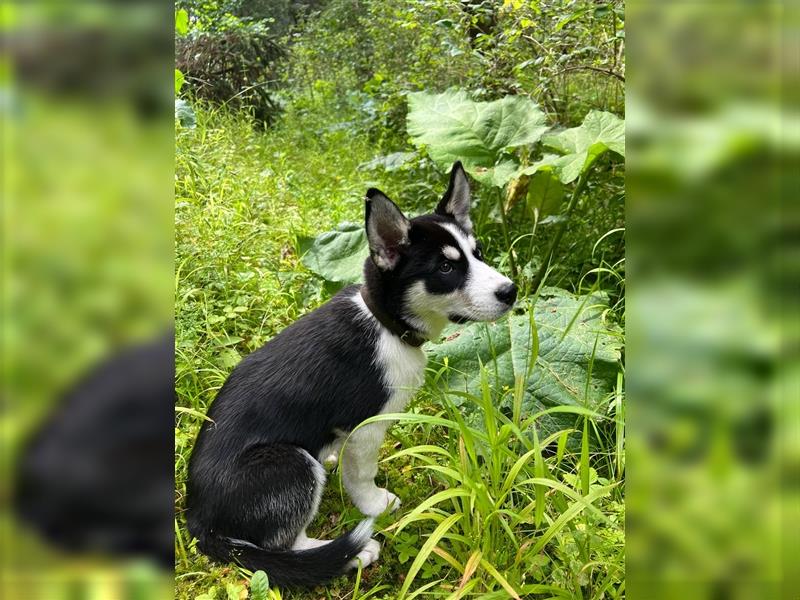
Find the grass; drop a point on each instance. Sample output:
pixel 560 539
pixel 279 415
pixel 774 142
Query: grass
pixel 489 509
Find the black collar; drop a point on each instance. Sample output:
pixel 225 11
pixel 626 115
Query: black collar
pixel 408 335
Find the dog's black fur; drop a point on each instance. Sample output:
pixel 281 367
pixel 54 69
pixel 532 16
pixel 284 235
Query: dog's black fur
pixel 277 400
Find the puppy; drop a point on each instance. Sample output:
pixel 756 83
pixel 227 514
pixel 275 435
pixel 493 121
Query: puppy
pixel 255 476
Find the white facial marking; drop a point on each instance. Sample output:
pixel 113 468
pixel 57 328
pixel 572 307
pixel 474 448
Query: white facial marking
pixel 475 300
pixel 427 312
pixel 451 253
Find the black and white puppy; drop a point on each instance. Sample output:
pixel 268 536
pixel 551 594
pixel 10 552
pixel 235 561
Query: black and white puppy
pixel 255 477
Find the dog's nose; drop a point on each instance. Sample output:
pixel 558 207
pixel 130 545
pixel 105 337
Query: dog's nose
pixel 507 294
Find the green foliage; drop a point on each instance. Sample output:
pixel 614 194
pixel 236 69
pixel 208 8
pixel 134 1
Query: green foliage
pixel 179 81
pixel 545 194
pixel 181 22
pixel 337 255
pixel 581 146
pixel 567 55
pixel 390 162
pixel 235 67
pixel 227 58
pixel 480 134
pixel 259 586
pixel 508 514
pixel 540 360
pixel 184 114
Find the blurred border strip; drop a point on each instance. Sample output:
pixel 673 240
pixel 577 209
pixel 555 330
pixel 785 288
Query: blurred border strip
pixel 86 94
pixel 712 369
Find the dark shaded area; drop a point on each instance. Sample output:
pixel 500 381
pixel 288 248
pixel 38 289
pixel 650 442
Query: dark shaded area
pixel 237 68
pixel 97 475
pixel 60 52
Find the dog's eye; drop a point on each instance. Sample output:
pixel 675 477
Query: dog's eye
pixel 478 254
pixel 445 267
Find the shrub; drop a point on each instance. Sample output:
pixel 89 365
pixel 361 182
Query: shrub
pixel 237 67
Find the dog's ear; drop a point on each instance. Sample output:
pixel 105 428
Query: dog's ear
pixel 387 230
pixel 455 202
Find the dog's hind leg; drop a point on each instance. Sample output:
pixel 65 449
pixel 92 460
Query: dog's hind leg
pixel 330 453
pixel 366 557
pixel 359 468
pixel 302 541
pixel 274 494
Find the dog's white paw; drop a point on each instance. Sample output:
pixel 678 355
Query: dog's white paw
pixel 377 502
pixel 367 556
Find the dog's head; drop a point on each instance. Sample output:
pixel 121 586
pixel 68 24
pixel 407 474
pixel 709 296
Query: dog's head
pixel 430 268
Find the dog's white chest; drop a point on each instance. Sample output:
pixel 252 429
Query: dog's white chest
pixel 402 366
pixel 403 369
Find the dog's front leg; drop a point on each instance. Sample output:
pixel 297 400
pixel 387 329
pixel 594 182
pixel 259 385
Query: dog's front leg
pixel 359 467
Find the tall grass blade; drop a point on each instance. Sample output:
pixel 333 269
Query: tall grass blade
pixel 584 465
pixel 562 446
pixel 425 505
pixel 425 551
pixel 470 567
pixel 500 579
pixel 424 588
pixel 538 469
pixel 574 509
pixel 619 418
pixel 449 558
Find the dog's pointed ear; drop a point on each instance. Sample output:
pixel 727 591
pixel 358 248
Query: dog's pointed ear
pixel 456 200
pixel 387 230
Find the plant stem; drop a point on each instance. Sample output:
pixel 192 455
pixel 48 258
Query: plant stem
pixel 573 201
pixel 501 207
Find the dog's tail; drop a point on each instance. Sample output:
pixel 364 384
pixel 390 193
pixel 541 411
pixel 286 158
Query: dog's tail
pixel 293 568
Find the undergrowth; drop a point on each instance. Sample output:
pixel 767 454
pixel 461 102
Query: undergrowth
pixel 489 509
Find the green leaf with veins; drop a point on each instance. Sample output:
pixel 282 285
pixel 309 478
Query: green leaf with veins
pixel 454 127
pixel 337 255
pixel 499 175
pixel 568 326
pixel 580 146
pixel 545 193
pixel 259 586
pixel 184 113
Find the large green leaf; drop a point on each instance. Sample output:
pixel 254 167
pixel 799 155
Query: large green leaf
pixel 545 193
pixel 337 255
pixel 580 146
pixel 499 175
pixel 184 113
pixel 453 127
pixel 572 334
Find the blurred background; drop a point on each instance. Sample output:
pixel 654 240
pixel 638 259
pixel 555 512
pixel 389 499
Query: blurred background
pixel 712 371
pixel 87 172
pixel 86 93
